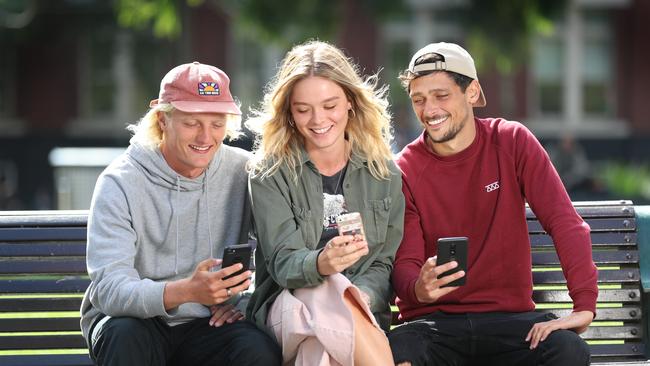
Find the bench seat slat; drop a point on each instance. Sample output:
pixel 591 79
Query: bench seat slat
pixel 38 325
pixel 46 360
pixel 597 224
pixel 599 257
pixel 596 209
pixel 43 265
pixel 632 349
pixel 598 239
pixel 627 313
pixel 40 218
pixel 625 295
pixel 633 331
pixel 628 275
pixel 44 249
pixel 69 284
pixel 40 304
pixel 42 342
pixel 43 233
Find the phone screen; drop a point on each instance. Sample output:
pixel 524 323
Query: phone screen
pixel 240 253
pixel 453 249
pixel 350 224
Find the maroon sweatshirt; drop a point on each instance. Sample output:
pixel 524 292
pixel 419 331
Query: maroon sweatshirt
pixel 480 193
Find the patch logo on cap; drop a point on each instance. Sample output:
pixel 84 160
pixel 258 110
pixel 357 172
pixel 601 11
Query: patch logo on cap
pixel 209 88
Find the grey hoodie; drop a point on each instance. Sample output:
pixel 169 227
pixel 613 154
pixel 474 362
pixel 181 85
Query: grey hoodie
pixel 148 225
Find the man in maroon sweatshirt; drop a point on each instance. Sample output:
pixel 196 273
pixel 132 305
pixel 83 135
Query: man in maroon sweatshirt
pixel 471 177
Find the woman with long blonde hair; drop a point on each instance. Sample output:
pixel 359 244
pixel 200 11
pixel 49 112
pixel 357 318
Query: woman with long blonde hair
pixel 323 151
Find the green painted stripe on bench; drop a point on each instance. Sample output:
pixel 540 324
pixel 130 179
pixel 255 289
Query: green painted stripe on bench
pixel 559 269
pixel 597 323
pixel 601 286
pixel 604 341
pixel 40 314
pixel 63 351
pixel 31 334
pixel 37 296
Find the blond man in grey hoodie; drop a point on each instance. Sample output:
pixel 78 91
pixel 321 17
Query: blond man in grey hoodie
pixel 160 215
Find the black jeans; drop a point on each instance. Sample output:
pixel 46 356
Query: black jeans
pixel 131 341
pixel 484 339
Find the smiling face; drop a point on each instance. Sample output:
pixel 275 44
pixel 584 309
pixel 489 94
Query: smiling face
pixel 319 109
pixel 190 140
pixel 445 111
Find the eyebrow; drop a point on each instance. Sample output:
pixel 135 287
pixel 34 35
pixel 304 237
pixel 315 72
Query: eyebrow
pixel 331 99
pixel 434 90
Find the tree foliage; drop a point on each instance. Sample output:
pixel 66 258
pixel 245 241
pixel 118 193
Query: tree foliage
pixel 497 32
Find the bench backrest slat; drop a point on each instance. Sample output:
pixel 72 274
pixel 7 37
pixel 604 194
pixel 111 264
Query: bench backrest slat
pixel 50 303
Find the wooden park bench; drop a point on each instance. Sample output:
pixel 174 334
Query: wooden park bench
pixel 43 277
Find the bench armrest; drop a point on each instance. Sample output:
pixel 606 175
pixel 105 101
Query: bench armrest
pixel 643 241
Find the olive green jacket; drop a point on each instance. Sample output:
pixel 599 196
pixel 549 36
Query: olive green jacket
pixel 289 223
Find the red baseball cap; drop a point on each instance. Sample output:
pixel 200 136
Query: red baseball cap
pixel 197 88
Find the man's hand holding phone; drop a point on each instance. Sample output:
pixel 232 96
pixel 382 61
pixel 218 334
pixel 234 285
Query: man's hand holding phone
pixel 205 286
pixel 428 287
pixel 436 280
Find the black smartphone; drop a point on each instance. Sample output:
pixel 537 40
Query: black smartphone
pixel 240 253
pixel 453 249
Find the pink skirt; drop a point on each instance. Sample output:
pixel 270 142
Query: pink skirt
pixel 314 325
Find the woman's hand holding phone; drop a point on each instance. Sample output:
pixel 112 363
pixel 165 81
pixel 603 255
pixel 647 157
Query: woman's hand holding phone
pixel 345 249
pixel 340 253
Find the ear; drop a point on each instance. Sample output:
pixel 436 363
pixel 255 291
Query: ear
pixel 473 92
pixel 161 120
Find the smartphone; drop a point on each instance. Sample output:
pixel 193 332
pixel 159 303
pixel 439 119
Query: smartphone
pixel 240 253
pixel 350 224
pixel 453 249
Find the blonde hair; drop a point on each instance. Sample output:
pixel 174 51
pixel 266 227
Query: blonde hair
pixel 147 131
pixel 368 129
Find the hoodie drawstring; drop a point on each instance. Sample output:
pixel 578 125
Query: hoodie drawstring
pixel 207 205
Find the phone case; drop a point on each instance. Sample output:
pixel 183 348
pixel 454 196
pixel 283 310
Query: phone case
pixel 453 249
pixel 350 224
pixel 240 253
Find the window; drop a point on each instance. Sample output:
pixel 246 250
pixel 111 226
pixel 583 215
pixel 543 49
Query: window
pixel 573 79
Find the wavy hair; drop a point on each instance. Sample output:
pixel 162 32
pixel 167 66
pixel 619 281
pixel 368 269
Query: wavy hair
pixel 368 129
pixel 147 131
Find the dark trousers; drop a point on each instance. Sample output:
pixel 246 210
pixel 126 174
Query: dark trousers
pixel 130 341
pixel 484 339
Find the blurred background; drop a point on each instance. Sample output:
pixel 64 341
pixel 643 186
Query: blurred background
pixel 74 73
